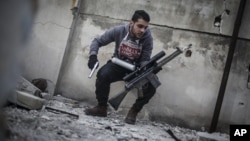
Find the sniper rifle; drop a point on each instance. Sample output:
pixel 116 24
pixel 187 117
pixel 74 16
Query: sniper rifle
pixel 144 74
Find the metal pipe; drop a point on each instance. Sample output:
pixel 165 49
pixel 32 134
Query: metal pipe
pixel 67 48
pixel 227 66
pixel 123 64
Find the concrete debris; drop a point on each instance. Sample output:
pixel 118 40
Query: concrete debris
pixel 26 100
pixel 204 136
pixel 26 86
pixel 46 96
pixel 43 125
pixel 28 95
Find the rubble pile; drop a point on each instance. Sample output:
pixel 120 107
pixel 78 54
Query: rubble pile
pixel 63 119
pixel 37 115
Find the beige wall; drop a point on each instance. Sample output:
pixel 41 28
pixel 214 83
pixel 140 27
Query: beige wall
pixel 43 57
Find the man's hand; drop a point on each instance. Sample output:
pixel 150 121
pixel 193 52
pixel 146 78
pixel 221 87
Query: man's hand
pixel 92 61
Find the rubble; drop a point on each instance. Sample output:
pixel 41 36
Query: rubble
pixel 44 125
pixel 26 100
pixel 30 95
pixel 203 136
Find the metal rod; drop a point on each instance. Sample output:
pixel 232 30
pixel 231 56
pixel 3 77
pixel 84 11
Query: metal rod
pixel 66 54
pixel 61 111
pixel 227 66
pixel 172 135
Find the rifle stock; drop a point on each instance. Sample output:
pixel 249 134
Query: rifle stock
pixel 117 99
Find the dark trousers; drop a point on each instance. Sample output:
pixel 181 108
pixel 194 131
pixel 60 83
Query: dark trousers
pixel 110 73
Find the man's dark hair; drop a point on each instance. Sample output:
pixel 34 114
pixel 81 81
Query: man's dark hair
pixel 140 14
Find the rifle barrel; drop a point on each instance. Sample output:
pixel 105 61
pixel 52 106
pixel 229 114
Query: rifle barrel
pixel 154 58
pixel 169 58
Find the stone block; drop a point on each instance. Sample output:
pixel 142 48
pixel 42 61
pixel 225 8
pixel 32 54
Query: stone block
pixel 26 100
pixel 204 136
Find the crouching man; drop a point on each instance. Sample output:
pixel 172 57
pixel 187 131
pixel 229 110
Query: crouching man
pixel 133 44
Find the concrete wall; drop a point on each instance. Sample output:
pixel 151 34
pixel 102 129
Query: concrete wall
pixel 235 108
pixel 190 85
pixel 43 57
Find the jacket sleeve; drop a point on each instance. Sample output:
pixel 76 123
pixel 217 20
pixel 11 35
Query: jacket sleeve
pixel 104 39
pixel 147 48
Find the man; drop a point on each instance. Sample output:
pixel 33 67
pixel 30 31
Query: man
pixel 133 44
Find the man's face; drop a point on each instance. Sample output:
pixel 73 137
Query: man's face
pixel 138 28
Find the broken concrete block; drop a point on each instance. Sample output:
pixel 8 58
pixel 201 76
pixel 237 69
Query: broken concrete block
pixel 46 96
pixel 26 86
pixel 26 100
pixel 204 136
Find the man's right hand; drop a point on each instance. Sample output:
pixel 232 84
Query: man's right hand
pixel 92 61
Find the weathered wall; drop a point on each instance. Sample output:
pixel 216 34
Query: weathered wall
pixel 235 108
pixel 190 85
pixel 245 26
pixel 43 57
